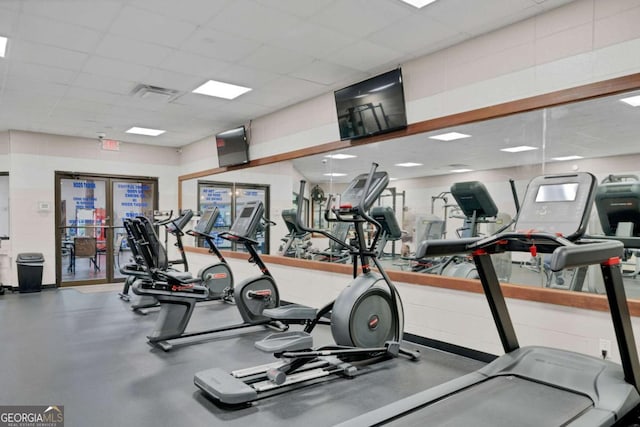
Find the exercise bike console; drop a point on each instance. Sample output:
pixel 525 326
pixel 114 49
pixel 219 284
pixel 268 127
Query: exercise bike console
pixel 246 225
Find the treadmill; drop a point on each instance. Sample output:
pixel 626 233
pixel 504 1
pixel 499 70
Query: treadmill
pixel 535 386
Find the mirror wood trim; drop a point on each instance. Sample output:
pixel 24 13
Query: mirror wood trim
pixel 549 296
pixel 581 300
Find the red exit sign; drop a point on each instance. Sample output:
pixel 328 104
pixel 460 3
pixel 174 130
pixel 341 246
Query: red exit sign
pixel 110 145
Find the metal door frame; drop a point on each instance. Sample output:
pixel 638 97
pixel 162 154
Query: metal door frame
pixel 109 227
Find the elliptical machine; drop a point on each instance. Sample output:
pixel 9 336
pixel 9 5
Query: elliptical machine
pixel 178 295
pixel 366 318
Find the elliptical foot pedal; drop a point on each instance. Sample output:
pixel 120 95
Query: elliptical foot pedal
pixel 164 345
pixel 291 312
pixel 222 387
pixel 124 297
pixel 285 341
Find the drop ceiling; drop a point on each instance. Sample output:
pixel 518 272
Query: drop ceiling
pixel 72 66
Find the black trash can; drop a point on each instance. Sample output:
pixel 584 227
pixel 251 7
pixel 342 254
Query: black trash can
pixel 30 267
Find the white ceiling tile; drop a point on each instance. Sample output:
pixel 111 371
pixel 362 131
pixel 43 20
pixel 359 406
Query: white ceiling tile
pixel 276 60
pixel 42 72
pixel 284 90
pixel 98 96
pixel 96 15
pixel 13 5
pixel 151 27
pixel 360 17
pixel 195 11
pixel 17 100
pixel 448 13
pixel 8 22
pixel 302 8
pixel 105 83
pixel 28 85
pixel 116 69
pixel 38 53
pixel 239 108
pixel 325 73
pixel 198 102
pixel 364 55
pixel 189 63
pixel 133 51
pixel 173 80
pixel 407 35
pixel 252 20
pixel 245 76
pixel 64 35
pixel 311 39
pixel 90 106
pixel 217 44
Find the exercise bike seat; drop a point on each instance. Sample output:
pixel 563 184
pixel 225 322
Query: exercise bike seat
pixel 291 312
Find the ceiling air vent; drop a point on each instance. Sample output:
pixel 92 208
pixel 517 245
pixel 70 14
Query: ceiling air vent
pixel 154 93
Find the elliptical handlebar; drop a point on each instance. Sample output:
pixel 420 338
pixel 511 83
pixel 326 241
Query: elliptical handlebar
pixel 358 213
pixel 164 221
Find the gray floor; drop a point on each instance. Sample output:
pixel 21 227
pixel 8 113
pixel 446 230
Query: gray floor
pixel 88 352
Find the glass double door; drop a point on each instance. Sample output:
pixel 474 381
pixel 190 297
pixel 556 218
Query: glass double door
pixel 90 236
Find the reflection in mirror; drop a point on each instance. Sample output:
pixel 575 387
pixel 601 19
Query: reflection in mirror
pixel 597 135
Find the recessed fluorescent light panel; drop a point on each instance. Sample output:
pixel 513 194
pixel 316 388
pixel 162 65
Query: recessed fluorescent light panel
pixel 634 101
pixel 3 46
pixel 418 3
pixel 335 174
pixel 221 90
pixel 340 156
pixel 461 170
pixel 408 165
pixel 565 158
pixel 146 131
pixel 518 149
pixel 451 136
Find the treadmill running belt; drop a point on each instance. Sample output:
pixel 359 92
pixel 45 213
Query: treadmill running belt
pixel 501 401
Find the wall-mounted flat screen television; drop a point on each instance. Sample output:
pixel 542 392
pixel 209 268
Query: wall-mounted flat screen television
pixel 232 146
pixel 371 107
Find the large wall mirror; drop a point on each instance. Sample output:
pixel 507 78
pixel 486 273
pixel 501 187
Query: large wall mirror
pixel 596 132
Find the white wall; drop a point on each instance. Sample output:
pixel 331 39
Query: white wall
pixel 33 160
pixel 583 42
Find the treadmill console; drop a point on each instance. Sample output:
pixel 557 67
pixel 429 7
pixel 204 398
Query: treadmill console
pixel 207 219
pixel 558 204
pixel 352 196
pixel 246 224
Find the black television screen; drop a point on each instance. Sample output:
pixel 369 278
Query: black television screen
pixel 372 106
pixel 232 147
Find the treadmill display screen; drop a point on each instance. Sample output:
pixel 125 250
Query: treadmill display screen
pixel 566 192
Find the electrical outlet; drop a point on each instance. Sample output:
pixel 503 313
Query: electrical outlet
pixel 605 348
